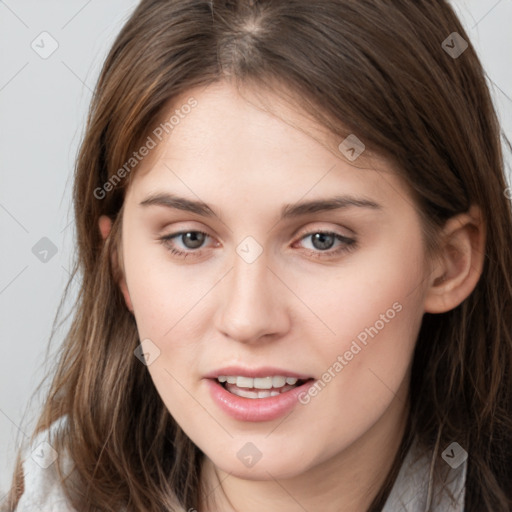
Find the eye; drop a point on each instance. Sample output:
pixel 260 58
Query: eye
pixel 192 241
pixel 323 241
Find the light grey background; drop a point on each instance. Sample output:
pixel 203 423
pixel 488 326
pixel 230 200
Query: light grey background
pixel 43 104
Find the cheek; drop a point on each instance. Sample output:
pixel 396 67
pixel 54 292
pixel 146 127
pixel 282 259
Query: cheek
pixel 381 289
pixel 161 292
pixel 167 305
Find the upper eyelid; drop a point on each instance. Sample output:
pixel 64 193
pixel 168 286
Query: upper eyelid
pixel 299 236
pixel 316 229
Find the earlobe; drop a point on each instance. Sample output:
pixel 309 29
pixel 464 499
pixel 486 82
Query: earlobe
pixel 126 294
pixel 460 264
pixel 105 226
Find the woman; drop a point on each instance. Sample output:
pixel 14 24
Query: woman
pixel 295 249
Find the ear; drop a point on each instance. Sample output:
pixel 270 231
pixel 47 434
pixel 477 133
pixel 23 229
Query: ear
pixel 105 226
pixel 460 263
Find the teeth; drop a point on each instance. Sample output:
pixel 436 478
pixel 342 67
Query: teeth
pixel 277 381
pixel 244 393
pixel 244 382
pixel 254 394
pixel 262 382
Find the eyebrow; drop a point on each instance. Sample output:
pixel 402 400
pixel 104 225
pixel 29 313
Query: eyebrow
pixel 288 211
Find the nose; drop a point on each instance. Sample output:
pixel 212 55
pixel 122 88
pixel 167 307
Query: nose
pixel 253 302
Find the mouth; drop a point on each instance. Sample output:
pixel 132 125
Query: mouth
pixel 259 387
pixel 257 395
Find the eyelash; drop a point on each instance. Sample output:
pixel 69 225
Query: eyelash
pixel 350 244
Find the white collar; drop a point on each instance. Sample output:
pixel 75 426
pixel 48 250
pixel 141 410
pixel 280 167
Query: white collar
pixel 414 487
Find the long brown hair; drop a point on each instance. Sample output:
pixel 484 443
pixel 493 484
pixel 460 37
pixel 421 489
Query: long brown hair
pixel 369 67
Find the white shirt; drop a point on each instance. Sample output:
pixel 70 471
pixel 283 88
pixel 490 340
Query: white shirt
pixel 409 493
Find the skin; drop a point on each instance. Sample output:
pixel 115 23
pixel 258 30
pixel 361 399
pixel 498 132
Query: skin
pixel 287 308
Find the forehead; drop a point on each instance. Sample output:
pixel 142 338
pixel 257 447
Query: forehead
pixel 230 137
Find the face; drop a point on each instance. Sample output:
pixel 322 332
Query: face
pixel 322 304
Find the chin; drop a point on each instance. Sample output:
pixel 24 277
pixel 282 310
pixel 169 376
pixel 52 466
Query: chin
pixel 267 468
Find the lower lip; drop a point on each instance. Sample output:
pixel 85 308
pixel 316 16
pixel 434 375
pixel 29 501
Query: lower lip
pixel 256 409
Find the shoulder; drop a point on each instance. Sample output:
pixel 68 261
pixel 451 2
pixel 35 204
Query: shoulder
pixel 42 488
pixel 414 491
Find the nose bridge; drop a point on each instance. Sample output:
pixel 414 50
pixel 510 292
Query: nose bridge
pixel 249 286
pixel 251 303
pixel 251 270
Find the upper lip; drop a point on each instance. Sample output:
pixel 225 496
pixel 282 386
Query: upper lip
pixel 265 371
